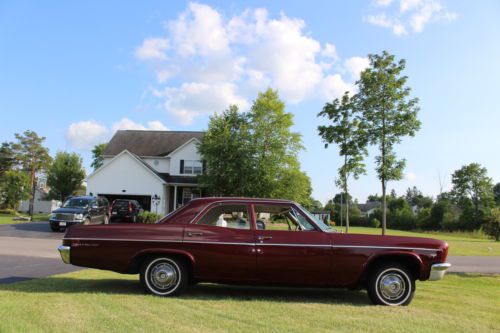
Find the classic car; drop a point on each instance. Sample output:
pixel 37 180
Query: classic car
pixel 256 242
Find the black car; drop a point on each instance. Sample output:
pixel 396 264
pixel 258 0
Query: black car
pixel 80 210
pixel 125 210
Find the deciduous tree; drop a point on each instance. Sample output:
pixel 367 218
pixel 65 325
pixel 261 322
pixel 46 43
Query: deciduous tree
pixel 65 175
pixel 14 187
pixel 390 114
pixel 349 134
pixel 97 158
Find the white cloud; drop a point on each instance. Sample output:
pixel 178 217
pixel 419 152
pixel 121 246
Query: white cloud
pixel 333 86
pixel 152 48
pixel 410 15
pixel 410 176
pixel 356 65
pixel 86 134
pixel 382 3
pixel 214 61
pixel 194 99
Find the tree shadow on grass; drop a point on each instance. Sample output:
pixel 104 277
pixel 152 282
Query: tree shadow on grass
pixel 208 291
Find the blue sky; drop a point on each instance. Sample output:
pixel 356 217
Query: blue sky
pixel 75 72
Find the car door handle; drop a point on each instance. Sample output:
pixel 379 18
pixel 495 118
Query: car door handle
pixel 191 234
pixel 263 238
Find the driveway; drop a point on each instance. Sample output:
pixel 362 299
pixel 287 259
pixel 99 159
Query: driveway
pixel 29 250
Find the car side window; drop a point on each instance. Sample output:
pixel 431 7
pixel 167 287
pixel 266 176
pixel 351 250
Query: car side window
pixel 227 216
pixel 281 217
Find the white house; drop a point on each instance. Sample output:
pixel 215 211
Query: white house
pixel 157 168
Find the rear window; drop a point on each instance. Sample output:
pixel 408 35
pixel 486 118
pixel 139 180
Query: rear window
pixel 120 204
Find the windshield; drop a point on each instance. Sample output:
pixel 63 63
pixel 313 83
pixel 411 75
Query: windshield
pixel 316 220
pixel 76 203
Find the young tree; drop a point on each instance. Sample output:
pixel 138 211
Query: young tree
pixel 226 152
pixel 390 114
pixel 33 157
pixel 492 225
pixel 254 154
pixel 97 158
pixel 471 185
pixel 346 131
pixel 7 159
pixel 65 175
pixel 14 187
pixel 275 146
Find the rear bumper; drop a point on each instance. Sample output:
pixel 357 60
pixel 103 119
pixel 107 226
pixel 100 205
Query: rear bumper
pixel 438 271
pixel 64 251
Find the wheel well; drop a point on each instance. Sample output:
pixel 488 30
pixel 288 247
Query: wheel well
pixel 407 261
pixel 136 264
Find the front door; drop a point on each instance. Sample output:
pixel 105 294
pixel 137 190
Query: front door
pixel 290 250
pixel 222 243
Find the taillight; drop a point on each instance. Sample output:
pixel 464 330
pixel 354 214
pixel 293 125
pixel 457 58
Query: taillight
pixel 130 207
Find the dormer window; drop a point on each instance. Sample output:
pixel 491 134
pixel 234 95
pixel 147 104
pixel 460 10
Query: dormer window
pixel 192 167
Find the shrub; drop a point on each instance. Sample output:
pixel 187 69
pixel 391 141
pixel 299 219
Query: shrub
pixel 8 211
pixel 148 217
pixel 492 226
pixel 375 223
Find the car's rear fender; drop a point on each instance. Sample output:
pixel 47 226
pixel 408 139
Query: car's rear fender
pixel 135 264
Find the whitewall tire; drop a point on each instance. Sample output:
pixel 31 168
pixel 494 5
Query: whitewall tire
pixel 392 285
pixel 164 276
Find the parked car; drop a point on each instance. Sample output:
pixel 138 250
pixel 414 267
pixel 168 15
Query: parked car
pixel 125 210
pixel 80 210
pixel 217 240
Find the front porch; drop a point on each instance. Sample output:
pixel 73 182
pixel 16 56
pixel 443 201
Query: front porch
pixel 180 194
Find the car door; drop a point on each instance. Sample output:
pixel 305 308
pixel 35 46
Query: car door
pixel 286 256
pixel 222 243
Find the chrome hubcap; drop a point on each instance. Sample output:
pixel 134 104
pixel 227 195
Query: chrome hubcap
pixel 392 286
pixel 163 276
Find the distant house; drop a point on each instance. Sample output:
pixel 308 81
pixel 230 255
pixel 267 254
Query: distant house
pixel 157 168
pixel 368 208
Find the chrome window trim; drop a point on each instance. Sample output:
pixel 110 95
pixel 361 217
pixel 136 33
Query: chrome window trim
pixel 255 244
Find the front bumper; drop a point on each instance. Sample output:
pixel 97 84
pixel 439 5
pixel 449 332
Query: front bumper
pixel 438 271
pixel 63 224
pixel 64 251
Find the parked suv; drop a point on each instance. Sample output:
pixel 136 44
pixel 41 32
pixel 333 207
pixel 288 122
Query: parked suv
pixel 80 210
pixel 125 210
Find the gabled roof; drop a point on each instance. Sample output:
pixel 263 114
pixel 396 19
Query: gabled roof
pixel 149 143
pixel 135 158
pixel 368 206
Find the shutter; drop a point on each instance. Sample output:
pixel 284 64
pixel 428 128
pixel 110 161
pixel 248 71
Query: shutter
pixel 181 171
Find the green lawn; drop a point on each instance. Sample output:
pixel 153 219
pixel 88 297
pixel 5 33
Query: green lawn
pixel 8 219
pixel 96 301
pixel 461 243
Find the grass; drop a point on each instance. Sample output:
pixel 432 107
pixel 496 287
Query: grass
pixel 461 243
pixel 96 301
pixel 8 219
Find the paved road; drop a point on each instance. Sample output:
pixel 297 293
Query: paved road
pixel 29 250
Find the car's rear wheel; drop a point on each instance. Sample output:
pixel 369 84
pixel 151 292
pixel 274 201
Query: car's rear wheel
pixel 391 284
pixel 164 276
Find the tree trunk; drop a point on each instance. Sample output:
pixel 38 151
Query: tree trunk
pixel 32 199
pixel 384 208
pixel 347 214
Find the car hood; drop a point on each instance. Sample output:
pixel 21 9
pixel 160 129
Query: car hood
pixel 69 210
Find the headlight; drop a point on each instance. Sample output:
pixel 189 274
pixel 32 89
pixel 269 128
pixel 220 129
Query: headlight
pixel 53 216
pixel 78 216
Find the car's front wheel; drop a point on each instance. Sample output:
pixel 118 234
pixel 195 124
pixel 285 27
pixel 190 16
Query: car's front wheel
pixel 164 276
pixel 391 284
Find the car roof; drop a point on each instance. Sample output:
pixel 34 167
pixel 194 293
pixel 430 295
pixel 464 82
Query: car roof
pixel 87 197
pixel 208 200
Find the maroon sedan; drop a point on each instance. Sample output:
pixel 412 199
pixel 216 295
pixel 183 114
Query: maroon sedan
pixel 257 242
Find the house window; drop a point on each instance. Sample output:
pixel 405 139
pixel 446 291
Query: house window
pixel 189 194
pixel 193 167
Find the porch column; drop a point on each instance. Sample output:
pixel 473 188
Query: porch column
pixel 175 197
